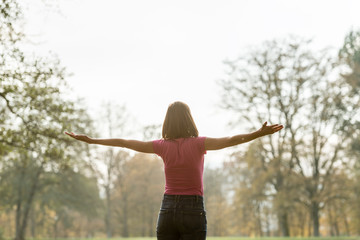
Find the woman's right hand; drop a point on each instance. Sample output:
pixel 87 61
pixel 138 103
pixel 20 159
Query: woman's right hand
pixel 79 137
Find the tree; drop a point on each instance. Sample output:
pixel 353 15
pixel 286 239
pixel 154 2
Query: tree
pixel 284 81
pixel 113 121
pixel 34 114
pixel 252 192
pixel 70 191
pixel 349 56
pixel 137 194
pixel 216 202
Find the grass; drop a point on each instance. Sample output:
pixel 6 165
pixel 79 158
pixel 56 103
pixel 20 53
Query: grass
pixel 236 238
pixel 257 238
pixel 217 238
pixel 283 238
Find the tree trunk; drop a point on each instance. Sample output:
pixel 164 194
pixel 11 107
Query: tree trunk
pixel 283 223
pixel 22 216
pixel 9 220
pixel 33 223
pixel 125 223
pixel 18 234
pixel 315 218
pixel 309 226
pixel 347 229
pixel 108 212
pixel 331 222
pixel 19 206
pixel 303 224
pixel 108 192
pixel 258 221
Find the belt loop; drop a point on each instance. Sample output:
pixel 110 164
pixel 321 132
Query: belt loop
pixel 197 198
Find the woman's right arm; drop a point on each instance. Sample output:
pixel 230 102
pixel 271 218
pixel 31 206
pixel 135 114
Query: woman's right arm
pixel 220 143
pixel 140 146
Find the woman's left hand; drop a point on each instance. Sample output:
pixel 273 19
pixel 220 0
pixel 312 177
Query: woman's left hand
pixel 266 130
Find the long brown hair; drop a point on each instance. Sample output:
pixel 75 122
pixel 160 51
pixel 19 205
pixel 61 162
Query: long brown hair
pixel 178 122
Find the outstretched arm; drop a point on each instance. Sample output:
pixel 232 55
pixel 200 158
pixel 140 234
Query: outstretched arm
pixel 140 146
pixel 220 143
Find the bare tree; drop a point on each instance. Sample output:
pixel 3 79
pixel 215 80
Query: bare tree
pixel 112 123
pixel 286 82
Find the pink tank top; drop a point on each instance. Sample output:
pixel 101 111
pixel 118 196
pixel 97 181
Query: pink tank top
pixel 183 164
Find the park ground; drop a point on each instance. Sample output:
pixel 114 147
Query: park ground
pixel 220 238
pixel 259 238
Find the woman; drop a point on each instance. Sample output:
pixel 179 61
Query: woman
pixel 182 214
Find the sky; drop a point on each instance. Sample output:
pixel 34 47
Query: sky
pixel 148 54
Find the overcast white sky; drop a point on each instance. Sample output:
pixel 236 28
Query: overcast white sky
pixel 147 54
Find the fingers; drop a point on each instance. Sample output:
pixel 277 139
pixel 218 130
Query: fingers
pixel 273 128
pixel 274 125
pixel 277 128
pixel 73 135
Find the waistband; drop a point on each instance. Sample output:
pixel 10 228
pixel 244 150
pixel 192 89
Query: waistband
pixel 183 197
pixel 183 202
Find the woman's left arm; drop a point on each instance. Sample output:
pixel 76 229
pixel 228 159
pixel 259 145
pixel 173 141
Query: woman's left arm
pixel 140 146
pixel 220 143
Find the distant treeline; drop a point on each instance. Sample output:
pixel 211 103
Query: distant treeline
pixel 303 181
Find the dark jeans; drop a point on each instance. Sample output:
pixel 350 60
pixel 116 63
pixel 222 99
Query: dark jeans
pixel 181 217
